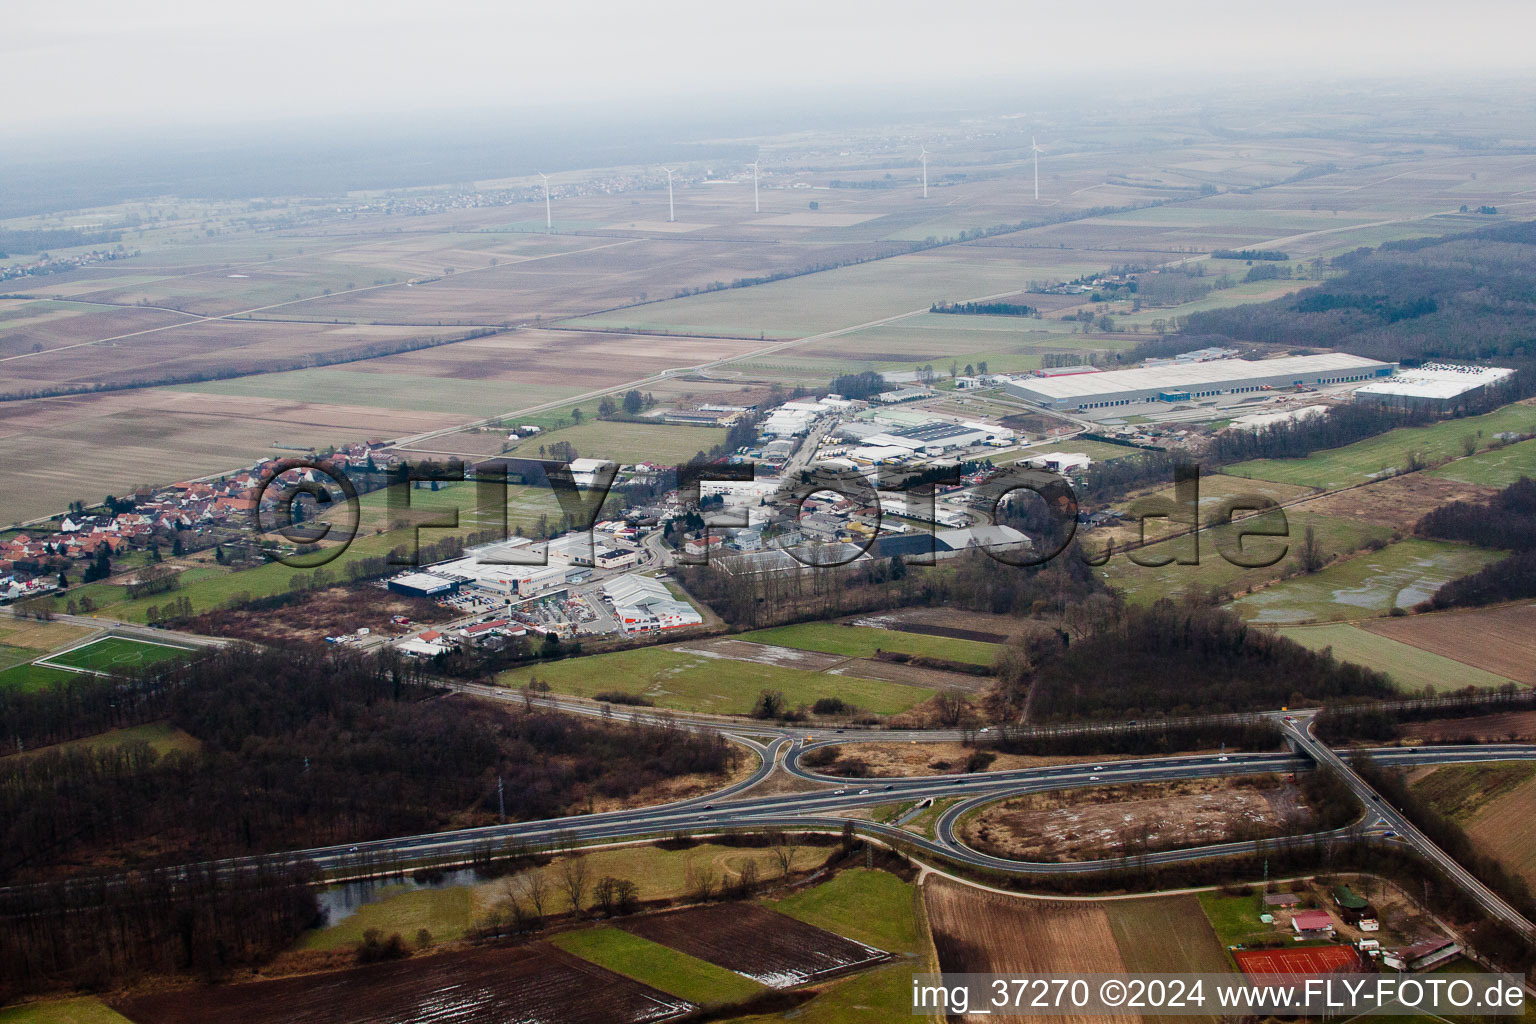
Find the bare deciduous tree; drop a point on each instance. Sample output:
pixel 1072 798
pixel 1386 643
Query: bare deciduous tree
pixel 575 876
pixel 699 880
pixel 533 886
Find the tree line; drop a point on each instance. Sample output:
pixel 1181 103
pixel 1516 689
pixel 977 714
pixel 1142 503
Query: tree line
pixel 308 747
pixel 1506 522
pixel 1174 659
pixel 105 931
pixel 1467 298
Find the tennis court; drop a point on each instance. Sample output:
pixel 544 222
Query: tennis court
pixel 1306 961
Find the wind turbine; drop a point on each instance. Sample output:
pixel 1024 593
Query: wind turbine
pixel 671 210
pixel 549 224
pixel 1035 149
pixel 756 207
pixel 923 156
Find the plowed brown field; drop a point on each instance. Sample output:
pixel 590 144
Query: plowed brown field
pixel 536 982
pixel 1498 640
pixel 769 948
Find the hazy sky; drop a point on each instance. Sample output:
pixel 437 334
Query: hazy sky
pixel 143 62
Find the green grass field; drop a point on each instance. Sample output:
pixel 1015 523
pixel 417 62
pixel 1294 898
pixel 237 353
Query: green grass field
pixel 865 641
pixel 161 736
pixel 689 682
pixel 658 966
pixel 112 653
pixel 873 907
pixel 665 443
pixel 1496 467
pixel 1236 918
pixel 839 298
pixel 1411 668
pixel 877 997
pixel 63 1011
pixel 30 678
pixel 447 913
pixel 1144 584
pixel 1368 459
pixel 1367 585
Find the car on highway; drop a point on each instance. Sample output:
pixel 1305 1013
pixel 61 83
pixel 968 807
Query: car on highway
pixel 1093 778
pixel 863 792
pixel 1223 757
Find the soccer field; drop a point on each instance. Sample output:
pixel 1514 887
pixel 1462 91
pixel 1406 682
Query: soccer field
pixel 113 653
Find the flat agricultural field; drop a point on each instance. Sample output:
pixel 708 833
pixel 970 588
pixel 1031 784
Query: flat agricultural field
pixel 1166 934
pixel 872 907
pixel 670 678
pixel 1495 802
pixel 1506 828
pixel 772 949
pixel 492 986
pixel 1501 640
pixel 1495 467
pixel 877 996
pixel 1397 503
pixel 39 635
pixel 1143 584
pixel 864 642
pixel 1412 667
pixel 208 348
pixel 1461 791
pixel 52 448
pixel 116 653
pixel 667 444
pixel 1378 456
pixel 1400 575
pixel 658 966
pixel 63 1011
pixel 849 296
pixel 977 932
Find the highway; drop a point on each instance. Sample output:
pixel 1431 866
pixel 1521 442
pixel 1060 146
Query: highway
pixel 822 809
pixel 1382 815
pixel 826 800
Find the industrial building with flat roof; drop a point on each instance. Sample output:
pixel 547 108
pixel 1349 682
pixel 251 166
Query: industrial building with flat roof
pixel 1095 393
pixel 1433 385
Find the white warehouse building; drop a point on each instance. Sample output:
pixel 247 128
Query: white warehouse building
pixel 1440 386
pixel 1097 393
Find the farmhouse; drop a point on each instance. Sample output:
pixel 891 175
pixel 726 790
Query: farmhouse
pixel 1282 899
pixel 1313 924
pixel 1097 393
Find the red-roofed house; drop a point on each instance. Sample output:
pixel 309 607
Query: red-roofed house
pixel 1313 924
